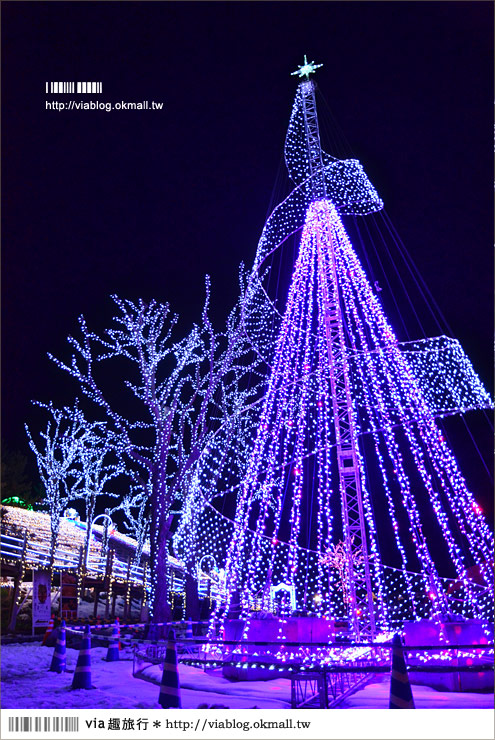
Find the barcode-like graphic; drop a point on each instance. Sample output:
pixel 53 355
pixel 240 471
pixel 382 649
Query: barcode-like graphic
pixel 44 724
pixel 71 87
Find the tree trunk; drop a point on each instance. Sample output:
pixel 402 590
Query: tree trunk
pixel 97 598
pixel 90 512
pixel 14 608
pixel 53 544
pixel 160 524
pixel 127 595
pixel 159 606
pixel 107 581
pixel 192 601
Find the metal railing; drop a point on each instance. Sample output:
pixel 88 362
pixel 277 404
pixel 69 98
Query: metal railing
pixel 37 554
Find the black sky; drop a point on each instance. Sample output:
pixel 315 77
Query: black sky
pixel 144 203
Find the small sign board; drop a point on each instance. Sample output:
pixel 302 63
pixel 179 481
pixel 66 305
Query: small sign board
pixel 42 599
pixel 68 597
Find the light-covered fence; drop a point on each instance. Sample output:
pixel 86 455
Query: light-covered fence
pixel 35 554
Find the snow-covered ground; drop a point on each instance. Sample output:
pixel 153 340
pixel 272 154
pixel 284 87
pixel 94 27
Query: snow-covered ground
pixel 376 696
pixel 27 684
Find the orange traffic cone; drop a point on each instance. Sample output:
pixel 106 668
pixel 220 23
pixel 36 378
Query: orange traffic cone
pixel 169 696
pixel 400 687
pixel 113 646
pixel 82 673
pixel 58 664
pixel 48 629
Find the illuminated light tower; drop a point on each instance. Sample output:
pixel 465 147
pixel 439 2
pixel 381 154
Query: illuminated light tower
pixel 346 427
pixel 362 615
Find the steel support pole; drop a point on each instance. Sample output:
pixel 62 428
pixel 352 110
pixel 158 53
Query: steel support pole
pixel 360 607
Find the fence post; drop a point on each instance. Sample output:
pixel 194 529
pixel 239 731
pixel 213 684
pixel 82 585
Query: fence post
pixel 96 592
pixel 325 687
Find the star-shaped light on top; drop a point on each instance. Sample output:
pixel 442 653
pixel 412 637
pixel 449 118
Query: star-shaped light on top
pixel 306 69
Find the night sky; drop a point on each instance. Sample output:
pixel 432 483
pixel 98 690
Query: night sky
pixel 144 203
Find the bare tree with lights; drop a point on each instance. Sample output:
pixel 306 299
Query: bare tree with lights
pixel 57 455
pixel 135 507
pixel 98 465
pixel 184 389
